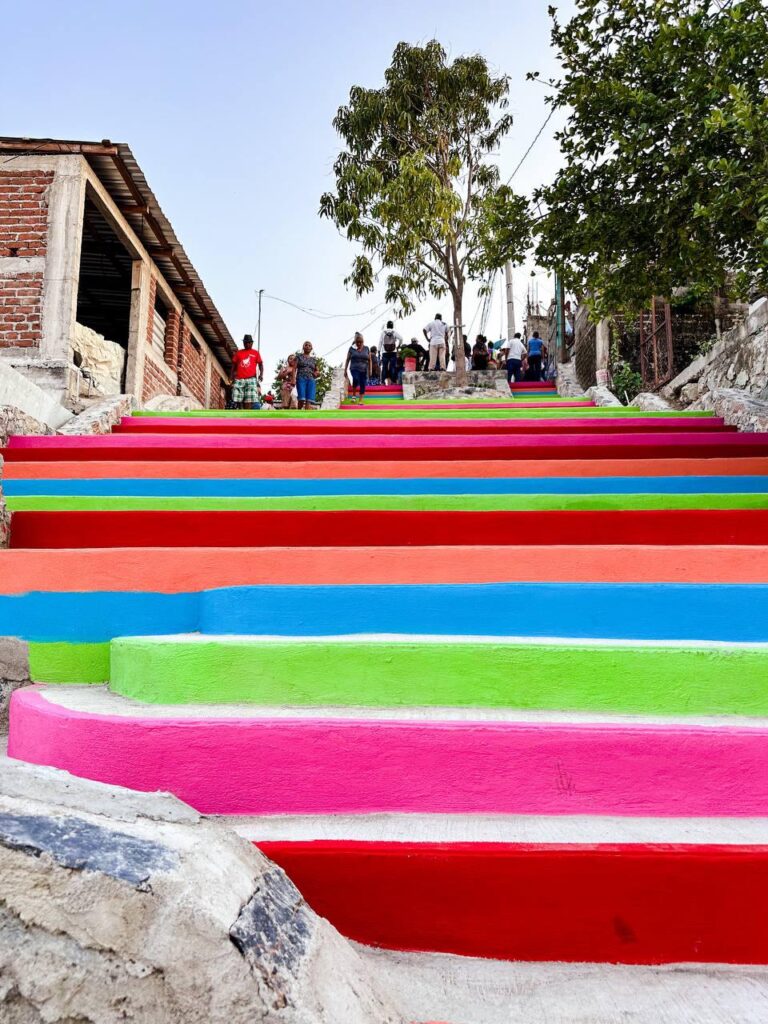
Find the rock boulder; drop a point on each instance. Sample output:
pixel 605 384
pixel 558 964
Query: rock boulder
pixel 128 906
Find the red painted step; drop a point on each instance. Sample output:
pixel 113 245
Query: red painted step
pixel 389 528
pixel 623 903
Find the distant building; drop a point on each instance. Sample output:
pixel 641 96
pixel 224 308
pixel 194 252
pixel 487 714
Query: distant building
pixel 97 295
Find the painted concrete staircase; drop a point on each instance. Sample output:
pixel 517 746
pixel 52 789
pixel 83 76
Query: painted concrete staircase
pixel 488 681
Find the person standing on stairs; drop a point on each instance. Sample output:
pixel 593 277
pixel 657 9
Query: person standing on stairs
pixel 436 334
pixel 359 365
pixel 536 350
pixel 422 355
pixel 248 370
pixel 513 350
pixel 389 342
pixel 375 377
pixel 480 353
pixel 287 378
pixel 306 376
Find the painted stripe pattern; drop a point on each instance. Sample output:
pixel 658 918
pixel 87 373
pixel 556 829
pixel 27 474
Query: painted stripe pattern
pixel 526 609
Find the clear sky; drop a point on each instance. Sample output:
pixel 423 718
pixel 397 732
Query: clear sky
pixel 228 109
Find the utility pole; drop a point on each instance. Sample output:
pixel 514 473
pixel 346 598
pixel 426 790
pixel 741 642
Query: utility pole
pixel 258 326
pixel 510 301
pixel 560 317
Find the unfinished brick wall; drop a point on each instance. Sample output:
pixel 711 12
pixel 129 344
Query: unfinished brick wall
pixel 21 297
pixel 156 381
pixel 218 398
pixel 172 328
pixel 192 366
pixel 24 212
pixel 23 234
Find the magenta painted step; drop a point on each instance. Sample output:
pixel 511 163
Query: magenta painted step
pixel 660 424
pixel 384 445
pixel 250 763
pixel 749 443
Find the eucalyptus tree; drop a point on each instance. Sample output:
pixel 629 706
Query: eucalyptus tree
pixel 416 185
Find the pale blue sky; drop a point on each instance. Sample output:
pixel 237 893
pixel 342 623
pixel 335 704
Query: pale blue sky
pixel 228 109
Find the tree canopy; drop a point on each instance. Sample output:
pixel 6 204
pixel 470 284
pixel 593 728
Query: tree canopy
pixel 665 176
pixel 415 186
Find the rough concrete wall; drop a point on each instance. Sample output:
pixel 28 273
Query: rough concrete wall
pixel 333 397
pixel 568 385
pixel 129 906
pixel 738 360
pixel 101 417
pixel 18 392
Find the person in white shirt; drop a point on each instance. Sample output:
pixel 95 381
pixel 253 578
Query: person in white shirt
pixel 389 343
pixel 436 334
pixel 514 352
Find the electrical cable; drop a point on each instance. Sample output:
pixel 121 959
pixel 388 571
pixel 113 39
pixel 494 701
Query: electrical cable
pixel 349 341
pixel 535 140
pixel 318 314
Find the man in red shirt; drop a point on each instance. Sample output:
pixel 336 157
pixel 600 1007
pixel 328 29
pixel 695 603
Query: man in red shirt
pixel 248 371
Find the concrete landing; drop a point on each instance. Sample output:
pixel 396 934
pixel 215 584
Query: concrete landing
pixel 432 987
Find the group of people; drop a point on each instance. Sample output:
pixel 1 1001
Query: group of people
pixel 383 364
pixel 298 378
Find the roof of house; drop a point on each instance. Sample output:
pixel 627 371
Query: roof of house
pixel 120 174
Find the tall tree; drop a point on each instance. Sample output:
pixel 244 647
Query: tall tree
pixel 665 176
pixel 415 186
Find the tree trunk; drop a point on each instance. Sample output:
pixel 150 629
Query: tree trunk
pixel 458 341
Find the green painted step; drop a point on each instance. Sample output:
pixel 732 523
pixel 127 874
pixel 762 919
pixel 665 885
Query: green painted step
pixel 450 412
pixel 401 502
pixel 62 662
pixel 664 679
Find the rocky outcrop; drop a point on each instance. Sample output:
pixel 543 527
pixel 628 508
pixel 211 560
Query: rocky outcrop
pixel 649 402
pixel 124 906
pixel 601 395
pixel 14 672
pixel 737 409
pixel 14 421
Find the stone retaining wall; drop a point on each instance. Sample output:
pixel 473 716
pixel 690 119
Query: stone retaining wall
pixel 442 384
pixel 739 360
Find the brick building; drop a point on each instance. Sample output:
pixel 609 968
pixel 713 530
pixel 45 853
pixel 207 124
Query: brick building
pixel 97 295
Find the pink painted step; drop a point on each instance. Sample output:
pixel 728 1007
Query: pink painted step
pixel 248 761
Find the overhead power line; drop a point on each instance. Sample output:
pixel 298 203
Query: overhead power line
pixel 535 140
pixel 348 341
pixel 319 314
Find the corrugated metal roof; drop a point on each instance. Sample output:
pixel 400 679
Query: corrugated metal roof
pixel 117 169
